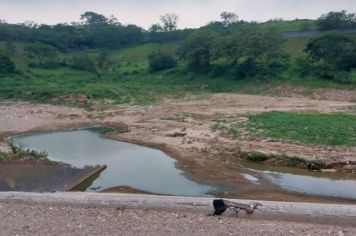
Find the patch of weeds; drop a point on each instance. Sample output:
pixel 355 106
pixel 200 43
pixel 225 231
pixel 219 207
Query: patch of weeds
pixel 100 115
pixel 88 106
pixel 21 153
pixel 4 155
pixel 177 134
pixel 175 118
pixel 289 161
pixel 311 128
pixel 219 126
pixel 73 116
pixel 316 165
pixel 283 160
pixel 230 130
pixel 254 156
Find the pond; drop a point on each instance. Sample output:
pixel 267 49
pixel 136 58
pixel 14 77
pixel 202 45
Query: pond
pixel 151 170
pixel 129 165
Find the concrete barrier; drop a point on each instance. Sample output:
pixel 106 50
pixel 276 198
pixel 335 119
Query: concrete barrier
pixel 282 211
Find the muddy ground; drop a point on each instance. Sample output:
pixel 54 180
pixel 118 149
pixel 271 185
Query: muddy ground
pixel 204 154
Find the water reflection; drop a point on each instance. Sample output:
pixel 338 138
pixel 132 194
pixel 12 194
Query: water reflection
pixel 127 164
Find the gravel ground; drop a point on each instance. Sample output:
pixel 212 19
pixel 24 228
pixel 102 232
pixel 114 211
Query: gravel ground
pixel 37 219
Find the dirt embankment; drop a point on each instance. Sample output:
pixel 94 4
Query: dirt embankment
pixel 183 129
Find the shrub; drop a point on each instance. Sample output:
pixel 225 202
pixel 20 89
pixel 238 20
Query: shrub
pixel 6 65
pixel 82 61
pixel 161 61
pixel 43 56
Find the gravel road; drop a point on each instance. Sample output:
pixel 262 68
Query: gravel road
pixel 38 219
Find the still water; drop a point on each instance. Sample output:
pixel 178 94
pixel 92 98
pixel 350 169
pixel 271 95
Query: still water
pixel 127 164
pixel 302 181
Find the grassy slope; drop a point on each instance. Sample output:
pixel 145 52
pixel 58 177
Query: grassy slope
pixel 291 26
pixel 128 79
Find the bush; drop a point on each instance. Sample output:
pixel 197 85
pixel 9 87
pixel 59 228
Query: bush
pixel 247 68
pixel 303 66
pixel 82 61
pixel 161 61
pixel 43 56
pixel 6 65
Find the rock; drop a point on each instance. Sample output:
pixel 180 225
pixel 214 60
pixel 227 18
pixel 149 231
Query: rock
pixel 340 233
pixel 328 170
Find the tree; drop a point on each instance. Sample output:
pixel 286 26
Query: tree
pixel 197 49
pixel 155 28
pixel 161 61
pixel 337 20
pixel 228 18
pixel 43 55
pixel 229 47
pixel 169 22
pixel 252 51
pixel 6 65
pixel 264 47
pixel 332 52
pixel 92 18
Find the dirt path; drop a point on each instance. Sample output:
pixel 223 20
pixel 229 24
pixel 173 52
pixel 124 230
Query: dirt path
pixel 37 219
pixel 182 128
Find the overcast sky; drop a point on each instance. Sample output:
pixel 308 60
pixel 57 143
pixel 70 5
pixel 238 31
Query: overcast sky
pixel 192 13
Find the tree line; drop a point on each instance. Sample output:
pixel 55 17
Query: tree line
pixel 241 49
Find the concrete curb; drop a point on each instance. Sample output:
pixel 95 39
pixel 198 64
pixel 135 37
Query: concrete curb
pixel 298 212
pixel 95 171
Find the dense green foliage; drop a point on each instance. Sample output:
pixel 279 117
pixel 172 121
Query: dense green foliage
pixel 197 49
pixel 161 61
pixel 42 55
pixel 103 59
pixel 312 128
pixel 331 55
pixel 337 20
pixel 7 66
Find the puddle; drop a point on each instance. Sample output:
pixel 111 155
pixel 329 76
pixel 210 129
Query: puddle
pixel 308 182
pixel 251 178
pixel 130 165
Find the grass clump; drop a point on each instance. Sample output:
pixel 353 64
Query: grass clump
pixel 5 155
pixel 177 135
pixel 312 128
pixel 174 118
pixel 254 156
pixel 283 160
pixel 21 153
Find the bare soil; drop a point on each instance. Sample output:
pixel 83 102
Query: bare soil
pixel 182 128
pixel 38 219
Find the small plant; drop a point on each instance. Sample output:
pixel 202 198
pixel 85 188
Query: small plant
pixel 21 153
pixel 254 156
pixel 177 134
pixel 174 118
